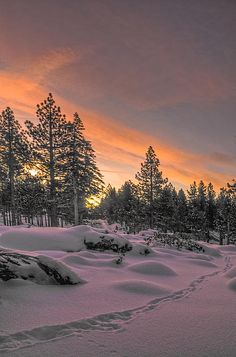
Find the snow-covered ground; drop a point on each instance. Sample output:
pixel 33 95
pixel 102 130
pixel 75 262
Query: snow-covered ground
pixel 165 303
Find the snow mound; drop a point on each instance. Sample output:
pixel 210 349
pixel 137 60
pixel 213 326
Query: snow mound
pixel 77 260
pixel 35 239
pixel 228 248
pixel 231 273
pixel 142 287
pixel 40 269
pixel 202 262
pixel 210 249
pixel 152 268
pixel 63 239
pixel 113 242
pixel 140 249
pixel 232 284
pixel 201 257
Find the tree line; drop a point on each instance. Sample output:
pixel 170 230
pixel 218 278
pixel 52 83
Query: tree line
pixel 47 170
pixel 153 202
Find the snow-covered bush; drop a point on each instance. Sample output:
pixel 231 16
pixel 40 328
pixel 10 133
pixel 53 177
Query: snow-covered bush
pixel 108 242
pixel 177 240
pixel 40 269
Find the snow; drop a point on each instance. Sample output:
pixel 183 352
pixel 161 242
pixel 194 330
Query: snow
pixel 152 268
pixel 158 301
pixel 60 239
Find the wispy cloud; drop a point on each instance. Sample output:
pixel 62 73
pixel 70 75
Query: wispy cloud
pixel 127 72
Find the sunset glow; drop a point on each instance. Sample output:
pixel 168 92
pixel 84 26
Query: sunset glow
pixel 117 178
pixel 165 83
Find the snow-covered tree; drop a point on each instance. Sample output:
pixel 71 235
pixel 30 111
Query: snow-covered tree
pixel 150 183
pixel 109 204
pixel 181 212
pixel 167 207
pixel 226 208
pixel 31 199
pixel 128 205
pixel 80 169
pixel 48 144
pixel 211 206
pixel 14 154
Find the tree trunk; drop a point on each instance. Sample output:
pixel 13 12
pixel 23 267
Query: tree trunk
pixel 4 216
pixel 12 191
pixel 76 204
pixel 151 199
pixel 221 238
pixel 53 209
pixel 228 232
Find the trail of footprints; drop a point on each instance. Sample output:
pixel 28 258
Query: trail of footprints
pixel 109 322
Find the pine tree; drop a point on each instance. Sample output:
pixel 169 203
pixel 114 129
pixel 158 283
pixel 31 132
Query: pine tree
pixel 211 206
pixel 31 199
pixel 202 196
pixel 166 207
pixel 181 212
pixel 226 221
pixel 48 144
pixel 232 186
pixel 193 218
pixel 202 206
pixel 128 205
pixel 81 171
pixel 14 154
pixel 109 204
pixel 150 182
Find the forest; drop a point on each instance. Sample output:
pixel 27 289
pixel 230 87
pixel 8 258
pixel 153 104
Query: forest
pixel 49 173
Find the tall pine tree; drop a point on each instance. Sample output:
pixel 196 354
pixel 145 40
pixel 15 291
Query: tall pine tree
pixel 81 171
pixel 48 144
pixel 150 182
pixel 14 154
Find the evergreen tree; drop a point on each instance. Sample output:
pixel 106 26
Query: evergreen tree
pixel 193 208
pixel 211 207
pixel 109 204
pixel 14 154
pixel 202 196
pixel 128 206
pixel 81 171
pixel 181 212
pixel 31 199
pixel 150 182
pixel 202 206
pixel 48 145
pixel 226 220
pixel 166 207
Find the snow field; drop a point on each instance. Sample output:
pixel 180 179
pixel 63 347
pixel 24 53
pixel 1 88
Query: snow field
pixel 112 295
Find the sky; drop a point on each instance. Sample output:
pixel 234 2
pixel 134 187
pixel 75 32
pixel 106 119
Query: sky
pixel 139 73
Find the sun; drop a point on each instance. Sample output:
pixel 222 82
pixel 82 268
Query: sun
pixel 93 201
pixel 33 172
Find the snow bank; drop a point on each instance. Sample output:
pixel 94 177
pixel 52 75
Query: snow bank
pixel 142 287
pixel 148 284
pixel 40 269
pixel 35 239
pixel 152 268
pixel 203 263
pixel 232 284
pixel 210 249
pixel 231 273
pixel 63 239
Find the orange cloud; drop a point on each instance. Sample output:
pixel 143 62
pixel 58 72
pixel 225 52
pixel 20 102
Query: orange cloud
pixel 120 149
